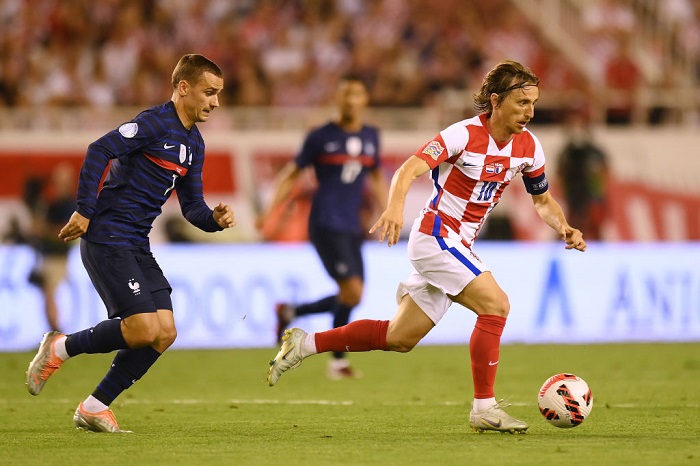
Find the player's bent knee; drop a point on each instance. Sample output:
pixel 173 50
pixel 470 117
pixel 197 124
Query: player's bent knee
pixel 504 307
pixel 141 339
pixel 401 345
pixel 498 307
pixel 167 338
pixel 351 300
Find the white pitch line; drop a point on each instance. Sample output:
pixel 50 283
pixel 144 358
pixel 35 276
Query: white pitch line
pixel 253 401
pixel 270 401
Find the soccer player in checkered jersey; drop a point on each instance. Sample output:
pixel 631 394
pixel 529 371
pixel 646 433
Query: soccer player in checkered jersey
pixel 159 151
pixel 345 156
pixel 470 164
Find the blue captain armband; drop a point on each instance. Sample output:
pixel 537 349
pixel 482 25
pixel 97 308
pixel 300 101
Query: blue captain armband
pixel 537 185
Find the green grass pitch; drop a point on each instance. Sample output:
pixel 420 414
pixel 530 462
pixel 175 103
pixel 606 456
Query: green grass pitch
pixel 214 407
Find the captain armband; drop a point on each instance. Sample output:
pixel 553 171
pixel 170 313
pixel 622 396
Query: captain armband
pixel 537 185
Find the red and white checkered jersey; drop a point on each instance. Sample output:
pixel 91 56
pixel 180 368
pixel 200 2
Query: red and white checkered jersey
pixel 470 170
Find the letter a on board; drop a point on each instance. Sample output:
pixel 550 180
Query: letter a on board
pixel 554 292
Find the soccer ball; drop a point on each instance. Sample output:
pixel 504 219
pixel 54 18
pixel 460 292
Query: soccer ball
pixel 565 400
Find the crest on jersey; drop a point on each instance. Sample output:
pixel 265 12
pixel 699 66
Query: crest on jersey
pixel 353 146
pixel 183 153
pixel 331 146
pixel 129 130
pixel 434 149
pixel 494 168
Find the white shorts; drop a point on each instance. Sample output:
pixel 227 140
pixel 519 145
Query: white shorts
pixel 443 267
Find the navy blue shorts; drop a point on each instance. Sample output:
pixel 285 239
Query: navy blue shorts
pixel 129 280
pixel 341 253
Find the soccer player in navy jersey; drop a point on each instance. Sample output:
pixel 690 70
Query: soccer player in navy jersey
pixel 344 154
pixel 159 151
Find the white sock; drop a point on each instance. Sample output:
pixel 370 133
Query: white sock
pixel 338 364
pixel 93 405
pixel 308 346
pixel 59 348
pixel 482 403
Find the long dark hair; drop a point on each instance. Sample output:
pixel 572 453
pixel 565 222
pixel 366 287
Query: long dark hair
pixel 507 76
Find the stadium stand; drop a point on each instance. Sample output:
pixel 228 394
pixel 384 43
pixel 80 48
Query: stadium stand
pixel 88 56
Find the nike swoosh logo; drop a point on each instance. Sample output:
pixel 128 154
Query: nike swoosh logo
pixel 491 363
pixel 495 424
pixel 465 164
pixel 167 146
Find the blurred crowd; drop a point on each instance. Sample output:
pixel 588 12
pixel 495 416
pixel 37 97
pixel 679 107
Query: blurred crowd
pixel 291 52
pixel 273 52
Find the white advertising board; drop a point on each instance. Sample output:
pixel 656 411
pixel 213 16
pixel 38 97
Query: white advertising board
pixel 224 294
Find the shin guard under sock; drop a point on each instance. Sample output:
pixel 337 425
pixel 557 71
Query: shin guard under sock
pixel 104 337
pixel 361 335
pixel 129 365
pixel 485 349
pixel 341 316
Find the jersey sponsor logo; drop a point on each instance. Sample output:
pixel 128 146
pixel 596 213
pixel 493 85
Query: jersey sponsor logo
pixel 168 146
pixel 494 168
pixel 129 130
pixel 434 149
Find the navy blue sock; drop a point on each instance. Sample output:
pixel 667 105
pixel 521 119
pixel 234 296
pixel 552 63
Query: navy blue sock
pixel 341 316
pixel 322 305
pixel 128 366
pixel 104 337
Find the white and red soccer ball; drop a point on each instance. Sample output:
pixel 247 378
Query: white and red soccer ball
pixel 565 400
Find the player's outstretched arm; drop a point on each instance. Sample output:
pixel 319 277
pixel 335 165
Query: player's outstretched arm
pixel 284 183
pixel 391 220
pixel 550 211
pixel 75 228
pixel 223 214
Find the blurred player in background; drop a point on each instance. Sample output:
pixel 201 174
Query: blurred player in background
pixel 52 208
pixel 583 175
pixel 344 153
pixel 157 152
pixel 470 163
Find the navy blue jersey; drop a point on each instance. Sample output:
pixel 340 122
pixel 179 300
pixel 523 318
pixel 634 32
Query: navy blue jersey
pixel 151 156
pixel 341 161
